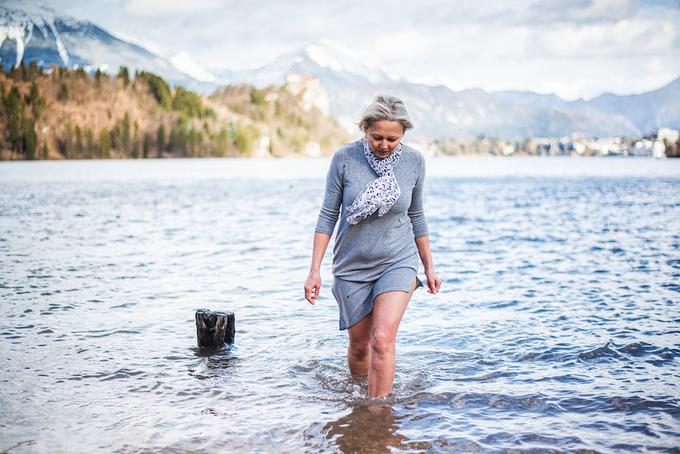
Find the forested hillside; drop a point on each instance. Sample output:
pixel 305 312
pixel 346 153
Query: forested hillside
pixel 68 114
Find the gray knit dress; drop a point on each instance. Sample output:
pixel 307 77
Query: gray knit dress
pixel 378 254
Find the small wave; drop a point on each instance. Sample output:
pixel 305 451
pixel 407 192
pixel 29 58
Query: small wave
pixel 123 306
pixel 105 333
pixel 599 352
pixel 619 403
pixel 528 239
pixel 530 402
pixel 486 377
pixel 629 351
pixel 526 439
pixel 671 286
pixel 106 376
pixel 644 349
pixel 502 304
pixel 626 352
pixel 568 378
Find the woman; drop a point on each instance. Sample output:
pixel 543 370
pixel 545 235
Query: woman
pixel 378 181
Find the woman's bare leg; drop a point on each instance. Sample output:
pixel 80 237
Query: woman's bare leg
pixel 358 351
pixel 388 311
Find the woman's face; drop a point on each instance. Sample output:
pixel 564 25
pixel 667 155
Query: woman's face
pixel 383 136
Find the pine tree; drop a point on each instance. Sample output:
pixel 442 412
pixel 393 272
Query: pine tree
pixel 14 108
pixel 159 88
pixel 124 75
pixel 125 133
pixel 30 139
pixel 146 145
pixel 18 72
pixel 33 93
pixel 135 149
pixel 177 142
pixel 160 141
pixel 221 142
pixel 37 102
pixel 104 143
pixel 22 73
pixel 66 144
pixel 33 71
pixel 233 133
pixel 79 148
pixel 63 92
pixel 89 139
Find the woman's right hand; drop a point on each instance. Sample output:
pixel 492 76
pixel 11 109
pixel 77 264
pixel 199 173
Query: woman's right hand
pixel 312 286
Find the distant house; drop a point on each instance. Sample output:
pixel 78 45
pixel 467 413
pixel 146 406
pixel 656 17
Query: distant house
pixel 671 135
pixel 609 146
pixel 313 93
pixel 649 147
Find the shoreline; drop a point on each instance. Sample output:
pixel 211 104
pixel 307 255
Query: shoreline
pixel 202 169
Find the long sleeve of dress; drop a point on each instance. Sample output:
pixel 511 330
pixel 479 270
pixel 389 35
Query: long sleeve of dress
pixel 330 209
pixel 416 211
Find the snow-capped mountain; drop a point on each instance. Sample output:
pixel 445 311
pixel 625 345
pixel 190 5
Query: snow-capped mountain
pixel 36 33
pixel 184 62
pixel 437 111
pixel 322 58
pixel 345 75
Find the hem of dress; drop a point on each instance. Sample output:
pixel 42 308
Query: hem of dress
pixel 370 309
pixel 419 283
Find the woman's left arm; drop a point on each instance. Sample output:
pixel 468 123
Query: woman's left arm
pixel 420 231
pixel 433 281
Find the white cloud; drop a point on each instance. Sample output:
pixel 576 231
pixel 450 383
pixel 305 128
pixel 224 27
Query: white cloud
pixel 582 11
pixel 572 47
pixel 154 8
pixel 630 37
pixel 571 58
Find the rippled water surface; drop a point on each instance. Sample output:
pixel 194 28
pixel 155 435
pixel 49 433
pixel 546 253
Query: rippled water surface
pixel 557 327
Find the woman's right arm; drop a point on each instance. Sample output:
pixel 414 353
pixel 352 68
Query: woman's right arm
pixel 313 282
pixel 328 217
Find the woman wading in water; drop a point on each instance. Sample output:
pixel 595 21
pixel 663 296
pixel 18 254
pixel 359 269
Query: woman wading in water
pixel 378 182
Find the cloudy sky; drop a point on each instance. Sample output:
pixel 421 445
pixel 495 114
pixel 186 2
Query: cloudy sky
pixel 575 48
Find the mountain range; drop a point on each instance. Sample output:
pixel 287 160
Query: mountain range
pixel 38 34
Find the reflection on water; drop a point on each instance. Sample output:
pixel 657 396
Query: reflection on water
pixel 367 428
pixel 556 328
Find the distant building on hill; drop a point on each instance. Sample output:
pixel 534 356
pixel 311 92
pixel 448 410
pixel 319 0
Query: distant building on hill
pixel 313 94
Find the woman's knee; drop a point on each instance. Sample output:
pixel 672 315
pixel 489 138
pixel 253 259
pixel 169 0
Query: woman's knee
pixel 359 348
pixel 382 341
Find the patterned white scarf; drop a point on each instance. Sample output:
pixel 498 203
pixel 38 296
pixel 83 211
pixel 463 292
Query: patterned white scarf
pixel 381 193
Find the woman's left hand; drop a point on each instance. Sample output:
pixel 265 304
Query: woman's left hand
pixel 433 281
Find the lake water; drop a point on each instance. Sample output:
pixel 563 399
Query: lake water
pixel 557 327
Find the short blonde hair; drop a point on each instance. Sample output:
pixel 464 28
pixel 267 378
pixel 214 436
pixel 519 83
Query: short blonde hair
pixel 385 107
